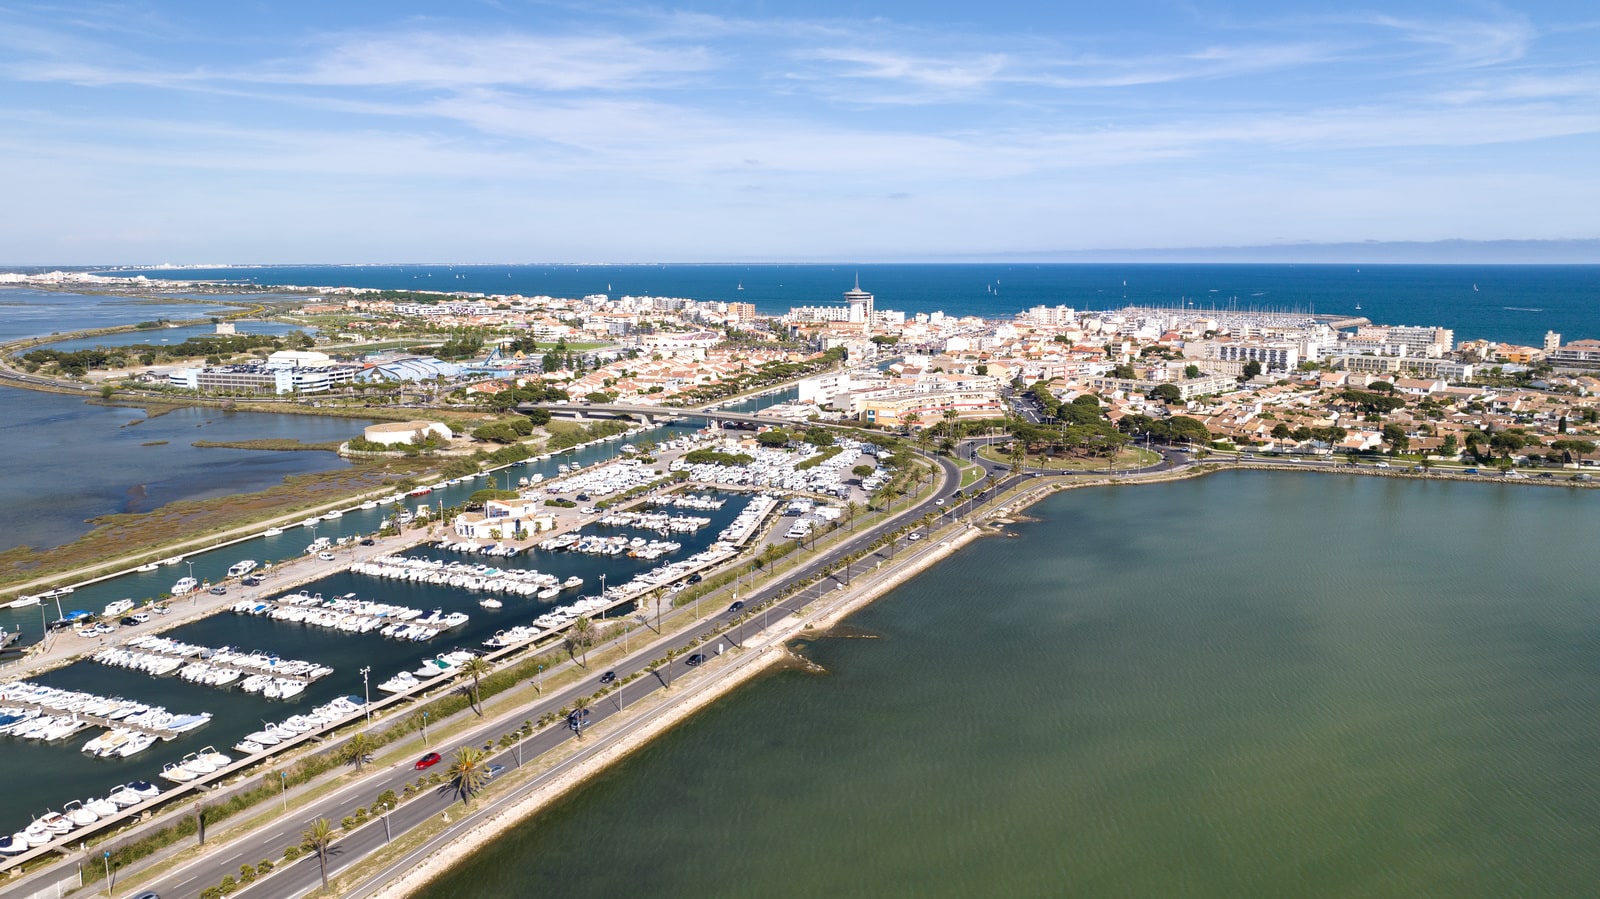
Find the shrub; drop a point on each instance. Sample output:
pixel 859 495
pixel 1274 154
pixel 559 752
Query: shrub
pixel 347 822
pixel 247 873
pixel 228 885
pixel 388 798
pixel 292 853
pixel 210 893
pixel 264 866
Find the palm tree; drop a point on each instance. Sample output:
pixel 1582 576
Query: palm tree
pixel 469 771
pixel 671 654
pixel 358 751
pixel 579 636
pixel 655 597
pixel 851 510
pixel 320 839
pixel 476 668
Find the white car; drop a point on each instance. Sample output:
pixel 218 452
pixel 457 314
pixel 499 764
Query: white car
pixel 938 502
pixel 1381 465
pixel 326 557
pixel 914 537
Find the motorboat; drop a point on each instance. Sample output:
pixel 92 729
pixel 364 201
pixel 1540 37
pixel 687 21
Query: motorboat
pixel 177 773
pixel 78 815
pixel 55 822
pixel 241 568
pixel 490 602
pixel 148 566
pixel 114 609
pixel 400 683
pixel 185 586
pixel 272 532
pixel 105 808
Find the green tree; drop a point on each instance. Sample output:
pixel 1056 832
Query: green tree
pixel 476 668
pixel 1191 372
pixel 1167 393
pixel 358 750
pixel 469 771
pixel 579 637
pixel 1395 436
pixel 1251 369
pixel 319 839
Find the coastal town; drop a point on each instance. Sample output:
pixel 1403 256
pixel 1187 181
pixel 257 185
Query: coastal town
pixel 1260 381
pixel 690 475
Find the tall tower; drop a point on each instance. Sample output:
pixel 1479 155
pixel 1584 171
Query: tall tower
pixel 860 304
pixel 1552 341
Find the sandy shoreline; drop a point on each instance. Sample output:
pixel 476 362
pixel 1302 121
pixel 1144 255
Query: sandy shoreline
pixel 663 717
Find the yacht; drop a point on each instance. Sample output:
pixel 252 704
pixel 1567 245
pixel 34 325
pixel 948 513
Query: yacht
pixel 334 515
pixel 185 586
pixel 148 566
pixel 272 532
pixel 490 603
pixel 241 568
pixel 172 561
pixel 114 609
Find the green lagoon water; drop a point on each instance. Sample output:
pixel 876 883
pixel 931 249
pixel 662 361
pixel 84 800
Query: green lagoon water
pixel 1242 685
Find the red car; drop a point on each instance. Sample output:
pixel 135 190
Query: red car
pixel 427 761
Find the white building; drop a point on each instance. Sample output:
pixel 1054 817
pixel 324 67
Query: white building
pixel 391 433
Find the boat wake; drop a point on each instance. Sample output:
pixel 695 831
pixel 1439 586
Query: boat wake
pixel 1521 309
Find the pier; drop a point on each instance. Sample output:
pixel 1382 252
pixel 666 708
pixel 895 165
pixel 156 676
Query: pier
pixel 93 720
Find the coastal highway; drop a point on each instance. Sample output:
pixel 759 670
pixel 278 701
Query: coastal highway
pixel 297 878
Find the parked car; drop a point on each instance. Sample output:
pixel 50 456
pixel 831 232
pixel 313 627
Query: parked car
pixel 427 761
pixel 326 557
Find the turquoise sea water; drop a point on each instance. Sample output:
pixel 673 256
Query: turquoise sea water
pixel 1243 685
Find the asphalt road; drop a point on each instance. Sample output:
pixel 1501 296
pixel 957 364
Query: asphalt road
pixel 300 876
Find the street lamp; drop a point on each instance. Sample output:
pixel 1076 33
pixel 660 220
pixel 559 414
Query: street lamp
pixel 107 858
pixel 387 836
pixel 366 692
pixel 424 730
pixel 194 591
pixel 283 790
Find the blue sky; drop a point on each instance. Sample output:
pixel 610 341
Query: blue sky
pixel 510 131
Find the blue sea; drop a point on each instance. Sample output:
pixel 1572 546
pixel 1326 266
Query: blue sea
pixel 1515 303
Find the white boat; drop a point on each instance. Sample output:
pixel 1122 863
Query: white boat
pixel 399 683
pixel 272 532
pixel 172 561
pixel 114 609
pixel 490 602
pixel 241 568
pixel 368 506
pixel 177 773
pixel 185 586
pixel 148 566
pixel 23 602
pixel 78 815
pixel 332 516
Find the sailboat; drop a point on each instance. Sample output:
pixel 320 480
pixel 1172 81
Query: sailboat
pixel 1474 288
pixel 740 286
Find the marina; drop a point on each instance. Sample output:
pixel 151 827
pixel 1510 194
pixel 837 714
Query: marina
pixel 310 618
